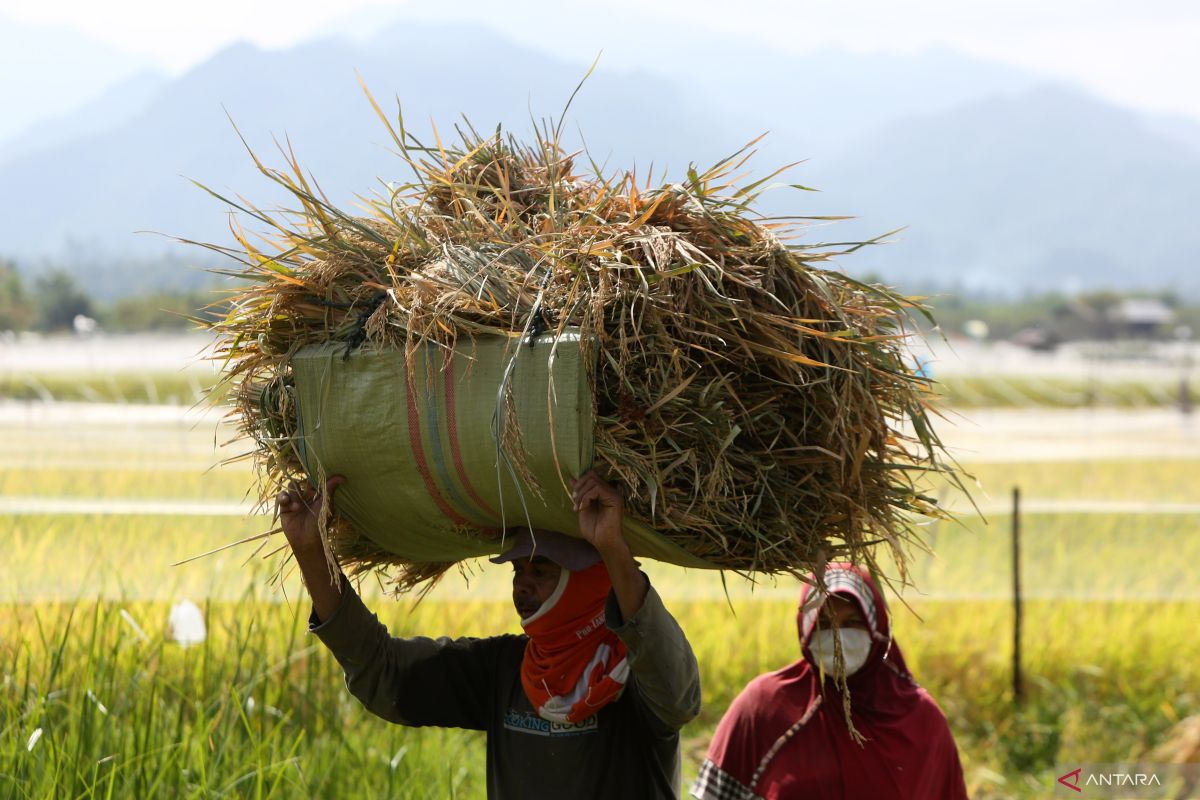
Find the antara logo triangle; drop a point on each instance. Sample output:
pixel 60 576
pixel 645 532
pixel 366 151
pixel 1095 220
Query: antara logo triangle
pixel 1071 780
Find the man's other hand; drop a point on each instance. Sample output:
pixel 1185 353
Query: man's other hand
pixel 601 510
pixel 300 512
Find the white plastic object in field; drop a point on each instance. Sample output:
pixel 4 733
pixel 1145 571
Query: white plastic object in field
pixel 186 623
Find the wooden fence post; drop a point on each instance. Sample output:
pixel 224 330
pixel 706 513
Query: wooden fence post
pixel 1018 689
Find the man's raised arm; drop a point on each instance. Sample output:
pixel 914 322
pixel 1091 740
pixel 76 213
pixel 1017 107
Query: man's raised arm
pixel 413 681
pixel 660 656
pixel 300 513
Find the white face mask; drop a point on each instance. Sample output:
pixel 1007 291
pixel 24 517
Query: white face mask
pixel 856 646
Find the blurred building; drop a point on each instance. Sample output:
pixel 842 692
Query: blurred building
pixel 1139 317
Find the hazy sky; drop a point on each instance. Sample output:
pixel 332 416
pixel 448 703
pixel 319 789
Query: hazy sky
pixel 1142 54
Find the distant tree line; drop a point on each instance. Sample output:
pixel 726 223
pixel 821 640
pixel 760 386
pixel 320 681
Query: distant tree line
pixel 1096 315
pixel 51 302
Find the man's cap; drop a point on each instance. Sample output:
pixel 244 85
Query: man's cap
pixel 570 553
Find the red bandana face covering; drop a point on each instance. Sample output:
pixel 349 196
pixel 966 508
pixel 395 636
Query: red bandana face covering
pixel 574 665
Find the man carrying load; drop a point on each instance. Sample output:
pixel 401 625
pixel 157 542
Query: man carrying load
pixel 588 703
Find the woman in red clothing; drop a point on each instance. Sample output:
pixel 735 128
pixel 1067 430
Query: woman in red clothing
pixel 785 736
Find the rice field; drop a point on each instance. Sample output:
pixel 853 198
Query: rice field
pixel 959 391
pixel 171 388
pixel 259 709
pixel 1029 391
pixel 96 699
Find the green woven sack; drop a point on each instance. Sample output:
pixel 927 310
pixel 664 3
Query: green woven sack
pixel 427 478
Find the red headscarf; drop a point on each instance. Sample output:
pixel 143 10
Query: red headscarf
pixel 785 736
pixel 574 664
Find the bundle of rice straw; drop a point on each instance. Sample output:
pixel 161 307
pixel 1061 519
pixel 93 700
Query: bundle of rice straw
pixel 755 408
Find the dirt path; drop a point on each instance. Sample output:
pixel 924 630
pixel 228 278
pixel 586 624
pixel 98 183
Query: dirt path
pixel 98 507
pixel 978 436
pixel 1070 435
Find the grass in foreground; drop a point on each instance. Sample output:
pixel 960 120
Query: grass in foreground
pixel 259 709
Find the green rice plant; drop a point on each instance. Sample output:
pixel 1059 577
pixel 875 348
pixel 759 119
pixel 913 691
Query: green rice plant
pixel 1026 391
pixel 1079 556
pixel 70 440
pixel 1141 480
pixel 260 710
pixel 191 482
pixel 170 388
pixel 98 701
pixel 81 556
pixel 955 391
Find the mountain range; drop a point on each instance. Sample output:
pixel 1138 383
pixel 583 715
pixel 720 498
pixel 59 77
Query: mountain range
pixel 1001 180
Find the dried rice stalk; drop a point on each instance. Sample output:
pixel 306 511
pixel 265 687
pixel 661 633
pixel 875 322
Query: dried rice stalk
pixel 756 407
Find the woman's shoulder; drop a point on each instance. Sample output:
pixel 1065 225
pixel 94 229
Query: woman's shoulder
pixel 928 710
pixel 765 691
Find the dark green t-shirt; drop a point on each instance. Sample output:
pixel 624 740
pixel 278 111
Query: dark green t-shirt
pixel 630 749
